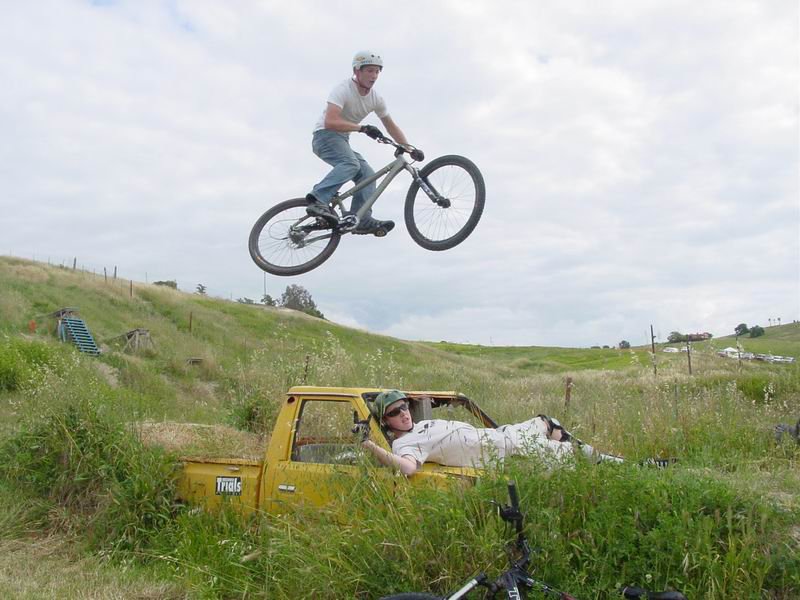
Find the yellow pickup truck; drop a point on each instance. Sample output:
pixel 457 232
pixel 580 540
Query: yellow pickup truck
pixel 313 451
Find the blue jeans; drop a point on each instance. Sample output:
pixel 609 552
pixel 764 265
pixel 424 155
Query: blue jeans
pixel 334 148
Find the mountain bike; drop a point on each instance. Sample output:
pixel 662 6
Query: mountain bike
pixel 516 581
pixel 442 208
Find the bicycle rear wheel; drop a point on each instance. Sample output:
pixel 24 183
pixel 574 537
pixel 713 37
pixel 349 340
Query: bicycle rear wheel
pixel 285 241
pixel 443 222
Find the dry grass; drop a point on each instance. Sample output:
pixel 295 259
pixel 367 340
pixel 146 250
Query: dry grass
pixel 55 568
pixel 209 441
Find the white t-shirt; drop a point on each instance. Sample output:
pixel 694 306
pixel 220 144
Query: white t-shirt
pixel 457 444
pixel 355 107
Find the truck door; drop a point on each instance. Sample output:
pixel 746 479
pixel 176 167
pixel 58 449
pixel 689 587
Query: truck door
pixel 322 459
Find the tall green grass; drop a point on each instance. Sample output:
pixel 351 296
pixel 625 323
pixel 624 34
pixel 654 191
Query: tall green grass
pixel 595 529
pixel 73 451
pixel 725 522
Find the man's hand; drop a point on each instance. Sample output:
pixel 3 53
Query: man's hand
pixel 371 131
pixel 361 430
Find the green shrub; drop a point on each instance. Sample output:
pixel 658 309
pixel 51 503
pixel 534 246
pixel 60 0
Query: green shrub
pixel 95 471
pixel 595 528
pixel 20 358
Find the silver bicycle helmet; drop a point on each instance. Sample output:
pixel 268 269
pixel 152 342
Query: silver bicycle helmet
pixel 366 58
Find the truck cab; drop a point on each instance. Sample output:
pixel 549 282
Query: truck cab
pixel 314 456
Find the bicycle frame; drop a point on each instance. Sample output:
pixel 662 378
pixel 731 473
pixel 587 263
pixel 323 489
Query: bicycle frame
pixel 390 171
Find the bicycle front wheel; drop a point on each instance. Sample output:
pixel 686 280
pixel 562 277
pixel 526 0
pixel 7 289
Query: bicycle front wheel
pixel 285 241
pixel 445 214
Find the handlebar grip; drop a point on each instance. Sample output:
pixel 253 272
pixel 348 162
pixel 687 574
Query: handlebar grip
pixel 512 494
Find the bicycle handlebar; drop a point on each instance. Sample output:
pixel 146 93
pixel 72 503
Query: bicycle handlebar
pixel 415 153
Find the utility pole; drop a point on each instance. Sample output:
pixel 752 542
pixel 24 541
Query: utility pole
pixel 653 348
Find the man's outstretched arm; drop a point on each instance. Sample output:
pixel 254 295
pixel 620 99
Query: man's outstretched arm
pixel 406 464
pixel 394 131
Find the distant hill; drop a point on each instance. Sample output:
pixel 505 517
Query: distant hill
pixel 225 330
pixel 781 340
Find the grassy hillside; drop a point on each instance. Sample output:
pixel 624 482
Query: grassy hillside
pixel 783 340
pixel 723 523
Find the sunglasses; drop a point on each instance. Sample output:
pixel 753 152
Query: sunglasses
pixel 396 411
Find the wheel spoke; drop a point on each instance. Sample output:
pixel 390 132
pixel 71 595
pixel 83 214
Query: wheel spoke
pixel 437 223
pixel 285 241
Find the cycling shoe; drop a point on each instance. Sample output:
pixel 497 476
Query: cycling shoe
pixel 370 226
pixel 318 209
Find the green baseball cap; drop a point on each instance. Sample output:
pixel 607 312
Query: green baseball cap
pixel 383 400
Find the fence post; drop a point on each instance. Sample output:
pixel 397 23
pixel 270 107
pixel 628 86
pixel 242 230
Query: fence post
pixel 653 348
pixel 689 355
pixel 568 392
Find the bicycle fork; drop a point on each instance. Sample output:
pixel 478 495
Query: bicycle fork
pixel 428 188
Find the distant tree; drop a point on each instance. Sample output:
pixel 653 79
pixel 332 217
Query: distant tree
pixel 756 331
pixel 676 336
pixel 170 283
pixel 268 300
pixel 245 301
pixel 201 289
pixel 741 329
pixel 297 297
pixel 779 320
pixel 605 346
pixel 624 345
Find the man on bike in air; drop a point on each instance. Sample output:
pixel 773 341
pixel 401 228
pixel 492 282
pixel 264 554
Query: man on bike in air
pixel 456 444
pixel 348 104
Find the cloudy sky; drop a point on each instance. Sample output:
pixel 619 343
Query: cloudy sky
pixel 641 158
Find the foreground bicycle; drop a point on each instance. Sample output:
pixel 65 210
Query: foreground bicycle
pixel 516 581
pixel 443 206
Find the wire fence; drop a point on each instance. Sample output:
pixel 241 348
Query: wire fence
pixel 113 274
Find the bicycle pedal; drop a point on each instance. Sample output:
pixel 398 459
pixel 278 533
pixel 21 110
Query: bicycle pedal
pixel 348 223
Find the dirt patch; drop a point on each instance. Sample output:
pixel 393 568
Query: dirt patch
pixel 195 439
pixel 53 567
pixel 795 534
pixel 109 373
